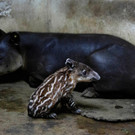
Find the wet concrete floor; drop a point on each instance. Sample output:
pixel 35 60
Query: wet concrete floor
pixel 14 120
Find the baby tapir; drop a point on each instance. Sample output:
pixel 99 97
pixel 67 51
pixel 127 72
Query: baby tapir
pixel 58 87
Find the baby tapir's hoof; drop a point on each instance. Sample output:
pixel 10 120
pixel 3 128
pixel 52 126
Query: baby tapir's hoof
pixel 77 111
pixel 49 116
pixel 52 116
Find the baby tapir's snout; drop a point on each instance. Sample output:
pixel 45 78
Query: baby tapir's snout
pixel 94 76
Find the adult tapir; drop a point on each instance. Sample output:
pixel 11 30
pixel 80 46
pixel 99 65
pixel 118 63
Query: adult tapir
pixel 40 54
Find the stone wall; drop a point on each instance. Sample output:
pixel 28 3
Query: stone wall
pixel 116 17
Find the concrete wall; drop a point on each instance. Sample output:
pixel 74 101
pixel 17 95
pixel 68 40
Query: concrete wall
pixel 116 17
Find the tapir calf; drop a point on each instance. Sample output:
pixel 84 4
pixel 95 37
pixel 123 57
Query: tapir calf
pixel 58 87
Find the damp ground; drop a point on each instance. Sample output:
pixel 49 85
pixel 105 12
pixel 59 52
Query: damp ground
pixel 14 120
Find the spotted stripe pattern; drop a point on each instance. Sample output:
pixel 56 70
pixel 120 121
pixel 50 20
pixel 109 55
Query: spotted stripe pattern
pixel 54 87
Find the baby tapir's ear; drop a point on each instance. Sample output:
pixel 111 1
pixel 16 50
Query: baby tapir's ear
pixel 70 63
pixel 14 38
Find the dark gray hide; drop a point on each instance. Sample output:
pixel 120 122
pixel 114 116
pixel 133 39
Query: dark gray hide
pixel 40 54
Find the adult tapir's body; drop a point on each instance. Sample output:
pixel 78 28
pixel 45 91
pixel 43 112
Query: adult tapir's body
pixel 43 53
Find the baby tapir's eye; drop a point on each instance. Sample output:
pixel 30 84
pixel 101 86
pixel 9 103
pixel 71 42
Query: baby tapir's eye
pixel 84 72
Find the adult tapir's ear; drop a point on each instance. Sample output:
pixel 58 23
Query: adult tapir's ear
pixel 14 38
pixel 70 63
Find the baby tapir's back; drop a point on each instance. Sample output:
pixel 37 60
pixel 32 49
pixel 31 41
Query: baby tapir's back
pixel 50 92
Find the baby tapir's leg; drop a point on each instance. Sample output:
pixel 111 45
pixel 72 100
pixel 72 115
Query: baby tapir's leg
pixel 71 104
pixel 50 114
pixel 43 113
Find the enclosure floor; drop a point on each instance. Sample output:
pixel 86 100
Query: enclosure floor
pixel 14 120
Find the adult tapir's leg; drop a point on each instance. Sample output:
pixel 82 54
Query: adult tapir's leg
pixel 89 93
